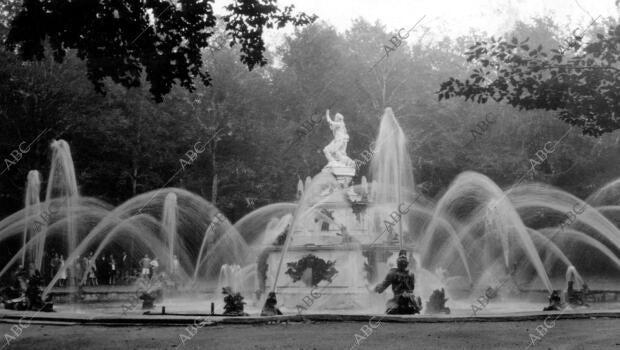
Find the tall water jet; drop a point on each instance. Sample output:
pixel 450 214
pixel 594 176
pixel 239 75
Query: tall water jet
pixel 32 212
pixel 391 168
pixel 62 183
pixel 239 279
pixel 169 224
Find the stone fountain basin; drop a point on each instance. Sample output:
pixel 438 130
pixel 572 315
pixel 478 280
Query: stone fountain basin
pixel 173 320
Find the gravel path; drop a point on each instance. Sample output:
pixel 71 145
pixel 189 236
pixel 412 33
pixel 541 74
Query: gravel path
pixel 600 333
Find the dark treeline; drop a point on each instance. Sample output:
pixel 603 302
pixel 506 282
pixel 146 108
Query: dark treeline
pixel 124 143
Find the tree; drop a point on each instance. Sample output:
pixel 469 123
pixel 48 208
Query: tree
pixel 8 10
pixel 120 40
pixel 39 101
pixel 226 108
pixel 581 80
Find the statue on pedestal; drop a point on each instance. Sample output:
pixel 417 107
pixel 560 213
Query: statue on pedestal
pixel 270 308
pixel 336 151
pixel 437 302
pixel 27 294
pixel 233 303
pixel 555 302
pixel 338 163
pixel 573 296
pixel 153 293
pixel 577 297
pixel 402 281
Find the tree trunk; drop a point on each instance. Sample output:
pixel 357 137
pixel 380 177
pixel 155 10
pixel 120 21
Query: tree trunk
pixel 214 190
pixel 214 166
pixel 134 179
pixel 136 150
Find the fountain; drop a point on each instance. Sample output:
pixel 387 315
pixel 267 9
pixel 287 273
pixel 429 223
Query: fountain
pixel 390 169
pixel 337 241
pixel 32 212
pixel 238 279
pixel 572 295
pixel 326 251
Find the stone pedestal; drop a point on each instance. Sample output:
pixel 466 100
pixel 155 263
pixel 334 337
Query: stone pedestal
pixel 343 173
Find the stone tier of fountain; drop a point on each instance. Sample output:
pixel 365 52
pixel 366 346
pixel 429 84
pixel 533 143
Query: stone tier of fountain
pixel 335 253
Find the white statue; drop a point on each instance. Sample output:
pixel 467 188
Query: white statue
pixel 336 151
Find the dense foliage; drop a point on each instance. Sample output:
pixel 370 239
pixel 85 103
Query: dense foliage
pixel 580 80
pixel 122 39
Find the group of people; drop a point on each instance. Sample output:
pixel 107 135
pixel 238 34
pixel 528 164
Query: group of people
pixel 102 271
pixel 57 263
pixel 149 267
pixel 106 270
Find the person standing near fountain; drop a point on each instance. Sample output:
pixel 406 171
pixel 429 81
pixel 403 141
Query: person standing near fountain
pixel 113 270
pixel 154 265
pixel 54 265
pixel 62 282
pixel 145 265
pixel 92 277
pixel 123 268
pixel 103 270
pixel 403 283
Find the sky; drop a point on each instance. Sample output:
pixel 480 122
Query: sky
pixel 448 17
